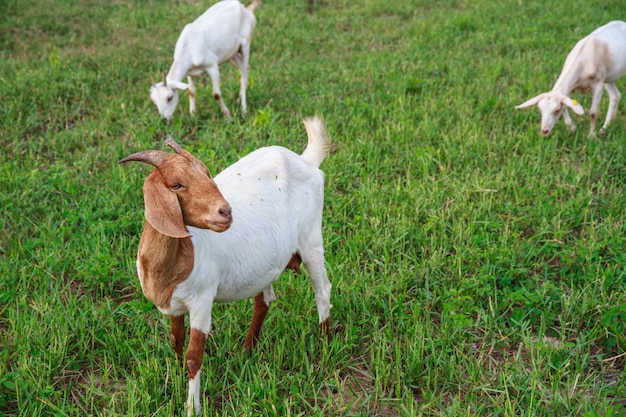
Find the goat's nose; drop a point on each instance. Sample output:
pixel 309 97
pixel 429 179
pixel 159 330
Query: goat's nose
pixel 545 132
pixel 225 212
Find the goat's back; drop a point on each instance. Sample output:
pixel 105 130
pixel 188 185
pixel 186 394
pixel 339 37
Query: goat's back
pixel 220 29
pixel 607 45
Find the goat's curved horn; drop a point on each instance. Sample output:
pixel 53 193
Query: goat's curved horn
pixel 152 157
pixel 172 144
pixel 164 80
pixel 152 81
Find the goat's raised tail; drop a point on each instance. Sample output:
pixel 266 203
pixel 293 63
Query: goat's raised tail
pixel 318 146
pixel 252 6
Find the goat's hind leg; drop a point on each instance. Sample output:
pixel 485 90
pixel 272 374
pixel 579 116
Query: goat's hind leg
pixel 614 97
pixel 261 306
pixel 241 61
pixel 313 259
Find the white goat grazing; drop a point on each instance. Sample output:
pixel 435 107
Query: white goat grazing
pixel 597 60
pixel 222 33
pixel 221 240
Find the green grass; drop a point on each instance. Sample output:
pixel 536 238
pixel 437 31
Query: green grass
pixel 478 268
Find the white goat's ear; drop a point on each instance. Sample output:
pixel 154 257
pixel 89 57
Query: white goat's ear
pixel 530 102
pixel 163 211
pixel 178 85
pixel 574 105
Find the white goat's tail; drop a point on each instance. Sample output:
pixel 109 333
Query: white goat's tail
pixel 318 146
pixel 252 6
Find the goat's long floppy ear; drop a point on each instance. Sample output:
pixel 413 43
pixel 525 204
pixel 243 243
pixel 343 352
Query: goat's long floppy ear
pixel 163 211
pixel 530 102
pixel 178 85
pixel 573 104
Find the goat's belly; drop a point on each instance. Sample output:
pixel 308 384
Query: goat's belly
pixel 233 290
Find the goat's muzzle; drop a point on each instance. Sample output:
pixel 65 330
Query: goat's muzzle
pixel 225 216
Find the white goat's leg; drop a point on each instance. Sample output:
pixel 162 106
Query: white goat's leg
pixel 593 110
pixel 214 73
pixel 313 258
pixel 568 120
pixel 241 61
pixel 614 98
pixel 192 95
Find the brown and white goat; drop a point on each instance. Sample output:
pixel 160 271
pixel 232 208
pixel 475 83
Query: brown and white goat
pixel 218 240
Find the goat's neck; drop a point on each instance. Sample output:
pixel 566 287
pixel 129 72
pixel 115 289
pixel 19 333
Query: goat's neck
pixel 578 65
pixel 165 262
pixel 179 69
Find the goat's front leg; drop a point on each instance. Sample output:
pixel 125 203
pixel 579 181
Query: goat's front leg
pixel 192 95
pixel 568 120
pixel 614 98
pixel 177 335
pixel 214 73
pixel 595 106
pixel 200 325
pixel 195 353
pixel 261 306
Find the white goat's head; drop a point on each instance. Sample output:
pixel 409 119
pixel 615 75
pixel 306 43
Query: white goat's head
pixel 180 192
pixel 165 95
pixel 551 107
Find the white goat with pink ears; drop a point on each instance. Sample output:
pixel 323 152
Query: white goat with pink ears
pixel 223 33
pixel 597 61
pixel 218 240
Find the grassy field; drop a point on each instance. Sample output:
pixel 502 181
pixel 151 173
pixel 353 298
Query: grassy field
pixel 478 268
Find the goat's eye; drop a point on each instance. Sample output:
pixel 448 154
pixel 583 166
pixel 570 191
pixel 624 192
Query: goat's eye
pixel 176 187
pixel 169 98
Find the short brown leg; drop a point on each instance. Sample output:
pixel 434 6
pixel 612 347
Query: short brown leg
pixel 177 335
pixel 258 316
pixel 195 352
pixel 294 263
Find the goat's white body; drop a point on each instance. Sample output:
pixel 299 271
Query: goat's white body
pixel 222 33
pixel 595 62
pixel 276 201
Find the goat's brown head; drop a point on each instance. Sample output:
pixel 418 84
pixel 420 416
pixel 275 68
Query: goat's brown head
pixel 180 192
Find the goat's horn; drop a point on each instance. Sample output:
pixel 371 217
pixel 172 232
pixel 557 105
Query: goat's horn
pixel 152 157
pixel 164 80
pixel 172 144
pixel 152 80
